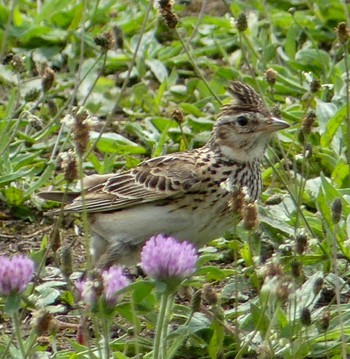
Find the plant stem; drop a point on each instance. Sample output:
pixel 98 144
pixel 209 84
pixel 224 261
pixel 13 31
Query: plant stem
pixel 159 345
pixel 15 321
pixel 337 291
pixel 347 79
pixel 168 311
pixel 106 334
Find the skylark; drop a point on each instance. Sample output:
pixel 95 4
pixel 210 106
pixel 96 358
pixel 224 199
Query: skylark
pixel 185 195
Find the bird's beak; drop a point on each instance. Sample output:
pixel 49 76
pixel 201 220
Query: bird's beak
pixel 274 124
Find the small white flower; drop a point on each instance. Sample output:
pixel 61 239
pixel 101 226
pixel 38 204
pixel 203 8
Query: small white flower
pixel 68 120
pixel 67 157
pixel 308 76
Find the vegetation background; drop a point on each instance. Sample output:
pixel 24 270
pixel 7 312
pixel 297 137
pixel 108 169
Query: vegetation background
pixel 279 290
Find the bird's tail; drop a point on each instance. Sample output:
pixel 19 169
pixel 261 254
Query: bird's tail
pixel 59 196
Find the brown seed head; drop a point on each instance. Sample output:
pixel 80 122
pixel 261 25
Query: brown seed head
pixel 241 22
pixel 300 243
pixel 80 123
pixel 308 122
pixel 48 78
pixel 196 301
pixel 52 107
pixel 343 32
pixel 337 209
pixel 305 317
pixel 32 95
pixel 318 285
pixel 270 270
pixel 118 36
pixel 67 260
pixel 166 10
pixel 209 294
pixel 35 122
pixel 315 85
pixel 177 115
pixel 274 200
pixel 324 320
pixel 236 202
pixel 296 269
pixel 8 58
pixel 283 289
pixel 250 217
pixel 292 10
pixel 106 40
pixel 44 323
pixel 271 76
pixel 17 63
pixel 69 166
pixel 81 131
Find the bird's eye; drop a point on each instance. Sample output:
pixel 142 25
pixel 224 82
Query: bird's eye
pixel 242 120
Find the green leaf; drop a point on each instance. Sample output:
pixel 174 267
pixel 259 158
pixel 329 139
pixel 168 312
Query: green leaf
pixel 163 123
pixel 340 174
pixel 14 196
pixel 216 342
pixel 324 207
pixel 115 143
pixel 158 69
pixel 324 111
pixel 312 60
pixel 6 179
pixel 212 273
pixel 50 8
pixel 333 123
pixel 140 290
pixel 200 124
pixel 159 148
pixel 260 319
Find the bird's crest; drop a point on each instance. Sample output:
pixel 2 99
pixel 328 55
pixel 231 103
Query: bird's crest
pixel 245 99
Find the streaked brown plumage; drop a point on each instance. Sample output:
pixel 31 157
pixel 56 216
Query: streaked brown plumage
pixel 185 195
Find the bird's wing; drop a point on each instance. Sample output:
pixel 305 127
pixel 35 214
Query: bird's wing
pixel 152 180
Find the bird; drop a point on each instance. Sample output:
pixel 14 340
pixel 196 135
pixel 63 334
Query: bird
pixel 185 195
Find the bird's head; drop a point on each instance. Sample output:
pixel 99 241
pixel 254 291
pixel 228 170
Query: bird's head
pixel 244 126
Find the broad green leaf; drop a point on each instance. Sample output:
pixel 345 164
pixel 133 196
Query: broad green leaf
pixel 314 60
pixel 115 143
pixel 340 174
pixel 333 123
pixel 163 123
pixel 189 108
pixel 216 342
pixel 212 273
pixel 158 69
pixel 260 319
pixel 50 8
pixel 14 196
pixel 324 111
pixel 6 179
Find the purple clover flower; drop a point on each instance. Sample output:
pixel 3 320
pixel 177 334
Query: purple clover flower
pixel 164 258
pixel 15 274
pixel 113 280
